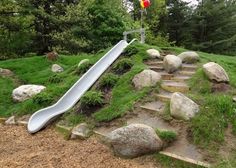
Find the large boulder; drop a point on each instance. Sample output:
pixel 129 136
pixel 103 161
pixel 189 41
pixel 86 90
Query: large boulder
pixel 146 78
pixel 181 107
pixel 81 131
pixel 215 72
pixel 57 68
pixel 189 57
pixel 25 92
pixel 153 53
pixel 172 63
pixel 83 62
pixel 134 140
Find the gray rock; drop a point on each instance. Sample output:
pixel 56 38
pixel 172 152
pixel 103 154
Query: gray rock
pixel 25 92
pixel 83 61
pixel 215 72
pixel 134 140
pixel 182 107
pixel 10 121
pixel 81 131
pixel 57 68
pixel 146 78
pixel 5 72
pixel 172 63
pixel 189 57
pixel 153 53
pixel 234 98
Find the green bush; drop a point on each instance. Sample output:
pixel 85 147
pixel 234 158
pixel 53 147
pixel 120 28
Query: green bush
pixel 123 66
pixel 108 81
pixel 131 50
pixel 83 68
pixel 92 98
pixel 55 79
pixel 167 136
pixel 43 99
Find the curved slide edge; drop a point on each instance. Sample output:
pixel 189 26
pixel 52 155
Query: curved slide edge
pixel 42 117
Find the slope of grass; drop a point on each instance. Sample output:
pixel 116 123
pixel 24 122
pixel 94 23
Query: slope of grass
pixel 37 70
pixel 124 95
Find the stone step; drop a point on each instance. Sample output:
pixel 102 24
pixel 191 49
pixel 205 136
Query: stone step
pixel 186 159
pixel 155 63
pixel 187 73
pixel 166 76
pixel 180 78
pixel 189 67
pixel 164 96
pixel 156 106
pixel 172 86
pixel 156 68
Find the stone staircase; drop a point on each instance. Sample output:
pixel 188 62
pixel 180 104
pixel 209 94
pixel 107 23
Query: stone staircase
pixel 175 82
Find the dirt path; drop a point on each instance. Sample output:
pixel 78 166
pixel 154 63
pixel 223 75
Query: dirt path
pixel 48 148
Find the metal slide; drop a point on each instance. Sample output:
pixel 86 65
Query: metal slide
pixel 42 117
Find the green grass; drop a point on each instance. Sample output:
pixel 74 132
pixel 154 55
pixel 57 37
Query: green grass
pixel 227 162
pixel 167 136
pixel 124 95
pixel 37 70
pixel 216 112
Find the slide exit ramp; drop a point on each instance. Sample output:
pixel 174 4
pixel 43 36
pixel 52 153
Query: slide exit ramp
pixel 42 117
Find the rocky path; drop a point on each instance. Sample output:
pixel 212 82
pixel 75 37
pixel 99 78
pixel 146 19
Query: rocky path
pixel 174 82
pixel 48 148
pixel 150 113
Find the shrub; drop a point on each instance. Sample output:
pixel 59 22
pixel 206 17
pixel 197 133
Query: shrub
pixel 123 66
pixel 167 136
pixel 55 79
pixel 43 99
pixel 108 81
pixel 83 68
pixel 92 98
pixel 131 50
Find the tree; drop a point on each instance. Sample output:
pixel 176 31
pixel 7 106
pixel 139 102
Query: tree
pixel 97 24
pixel 15 34
pixel 47 21
pixel 214 25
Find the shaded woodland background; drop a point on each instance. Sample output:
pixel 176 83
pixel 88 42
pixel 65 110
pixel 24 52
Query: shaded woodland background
pixel 75 26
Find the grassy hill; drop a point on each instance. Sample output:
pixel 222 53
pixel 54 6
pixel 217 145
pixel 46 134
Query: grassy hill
pixel 207 128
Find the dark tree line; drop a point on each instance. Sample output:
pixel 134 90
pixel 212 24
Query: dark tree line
pixel 210 26
pixel 69 26
pixel 73 26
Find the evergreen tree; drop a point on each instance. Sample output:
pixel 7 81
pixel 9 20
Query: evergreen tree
pixel 214 24
pixel 15 33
